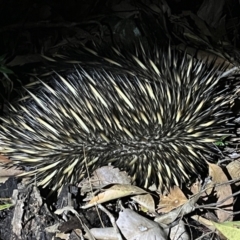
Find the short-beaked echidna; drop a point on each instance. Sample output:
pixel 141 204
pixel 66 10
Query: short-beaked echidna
pixel 154 113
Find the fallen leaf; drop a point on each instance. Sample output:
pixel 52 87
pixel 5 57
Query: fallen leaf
pixel 4 159
pixel 104 176
pixel 114 192
pixel 174 199
pixel 207 223
pixel 234 170
pixel 146 201
pixel 179 232
pixel 104 233
pixel 195 187
pixel 136 227
pixel 222 191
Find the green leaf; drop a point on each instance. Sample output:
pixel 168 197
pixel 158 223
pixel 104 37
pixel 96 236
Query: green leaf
pixel 231 230
pixel 5 206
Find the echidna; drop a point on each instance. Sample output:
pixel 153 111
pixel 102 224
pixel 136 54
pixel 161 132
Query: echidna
pixel 155 114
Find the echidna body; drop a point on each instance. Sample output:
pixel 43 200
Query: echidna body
pixel 153 113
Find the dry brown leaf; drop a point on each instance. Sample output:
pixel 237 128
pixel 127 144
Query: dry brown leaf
pixel 104 233
pixel 179 232
pixel 4 159
pixel 115 192
pixel 146 201
pixel 9 172
pixel 222 191
pixel 195 187
pixel 234 170
pixel 136 227
pixel 104 176
pixel 108 175
pixel 174 199
pixel 207 223
pixel 5 173
pixel 179 212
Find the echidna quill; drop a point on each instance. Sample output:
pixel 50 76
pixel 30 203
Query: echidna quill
pixel 155 114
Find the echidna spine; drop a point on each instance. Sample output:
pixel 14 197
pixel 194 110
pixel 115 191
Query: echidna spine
pixel 154 114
